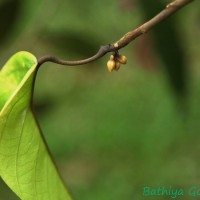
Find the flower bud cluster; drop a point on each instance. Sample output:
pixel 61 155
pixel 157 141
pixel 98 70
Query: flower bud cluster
pixel 115 61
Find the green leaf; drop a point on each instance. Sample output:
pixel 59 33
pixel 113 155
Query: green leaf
pixel 25 164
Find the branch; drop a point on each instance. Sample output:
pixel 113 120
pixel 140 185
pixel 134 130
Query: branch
pixel 170 9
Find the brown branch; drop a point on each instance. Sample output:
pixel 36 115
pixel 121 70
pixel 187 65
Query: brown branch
pixel 126 39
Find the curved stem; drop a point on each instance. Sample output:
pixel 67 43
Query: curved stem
pixel 170 9
pixel 101 52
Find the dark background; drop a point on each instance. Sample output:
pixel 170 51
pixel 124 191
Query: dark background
pixel 112 134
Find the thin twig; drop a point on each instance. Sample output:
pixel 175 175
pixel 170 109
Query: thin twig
pixel 170 9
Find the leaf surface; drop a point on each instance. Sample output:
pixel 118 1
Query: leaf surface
pixel 25 164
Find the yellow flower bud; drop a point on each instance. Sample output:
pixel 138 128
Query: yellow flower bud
pixel 117 66
pixel 112 57
pixel 122 59
pixel 111 65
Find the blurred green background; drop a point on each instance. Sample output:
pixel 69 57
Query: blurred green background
pixel 112 134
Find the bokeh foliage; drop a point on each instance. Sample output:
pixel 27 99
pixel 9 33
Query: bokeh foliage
pixel 111 134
